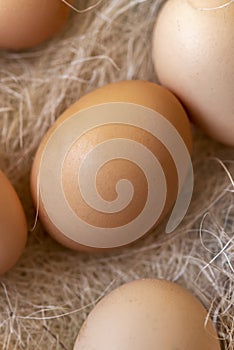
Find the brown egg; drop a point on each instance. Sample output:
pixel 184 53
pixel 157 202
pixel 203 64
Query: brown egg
pixel 111 167
pixel 148 314
pixel 13 227
pixel 193 53
pixel 26 23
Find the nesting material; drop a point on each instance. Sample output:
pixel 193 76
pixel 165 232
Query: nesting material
pixel 45 298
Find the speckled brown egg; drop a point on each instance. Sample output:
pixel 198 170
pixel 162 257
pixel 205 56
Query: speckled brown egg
pixel 13 226
pixel 111 167
pixel 27 23
pixel 148 314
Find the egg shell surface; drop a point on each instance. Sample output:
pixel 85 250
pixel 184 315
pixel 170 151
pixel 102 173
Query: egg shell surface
pixel 26 23
pixel 126 100
pixel 13 226
pixel 148 314
pixel 193 50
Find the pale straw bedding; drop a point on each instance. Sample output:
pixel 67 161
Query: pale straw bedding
pixel 45 298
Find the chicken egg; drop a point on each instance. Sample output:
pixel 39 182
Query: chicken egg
pixel 148 314
pixel 13 226
pixel 193 54
pixel 26 23
pixel 111 167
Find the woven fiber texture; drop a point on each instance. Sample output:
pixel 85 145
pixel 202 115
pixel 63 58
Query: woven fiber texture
pixel 46 297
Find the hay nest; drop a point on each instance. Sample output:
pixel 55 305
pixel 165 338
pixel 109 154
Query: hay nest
pixel 48 294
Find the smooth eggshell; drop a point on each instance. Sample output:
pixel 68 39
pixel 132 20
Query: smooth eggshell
pixel 13 226
pixel 193 53
pixel 58 162
pixel 26 23
pixel 148 314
